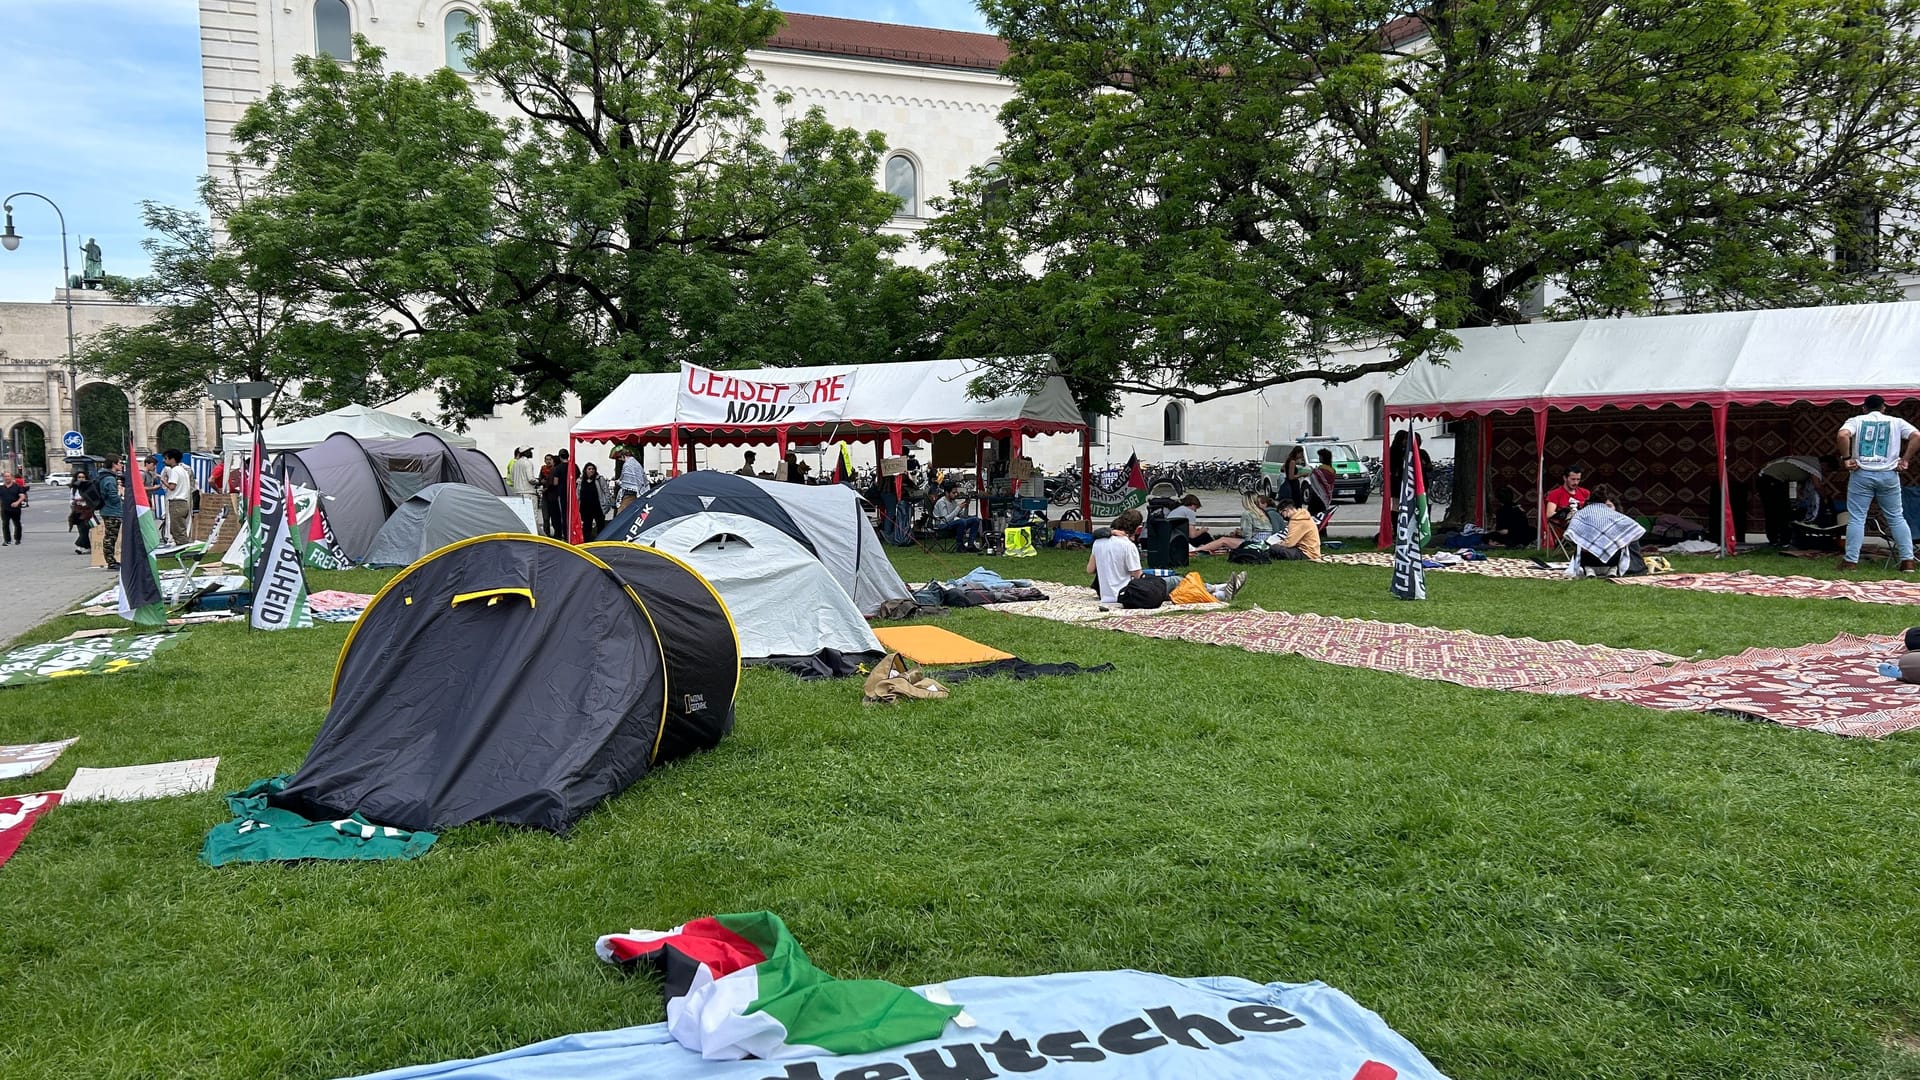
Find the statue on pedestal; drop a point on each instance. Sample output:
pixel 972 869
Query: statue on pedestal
pixel 91 275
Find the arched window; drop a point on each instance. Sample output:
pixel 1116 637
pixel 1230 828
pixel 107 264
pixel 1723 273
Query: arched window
pixel 1377 415
pixel 995 193
pixel 1173 424
pixel 1316 418
pixel 903 183
pixel 462 34
pixel 332 29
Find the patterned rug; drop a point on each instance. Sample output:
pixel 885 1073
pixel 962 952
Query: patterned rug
pixel 1748 583
pixel 1485 661
pixel 332 605
pixel 1080 604
pixel 1502 568
pixel 1834 687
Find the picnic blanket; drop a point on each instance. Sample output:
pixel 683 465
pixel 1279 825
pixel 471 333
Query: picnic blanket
pixel 1748 583
pixel 1833 686
pixel 332 605
pixel 933 645
pixel 1081 604
pixel 1486 661
pixel 62 659
pixel 1503 568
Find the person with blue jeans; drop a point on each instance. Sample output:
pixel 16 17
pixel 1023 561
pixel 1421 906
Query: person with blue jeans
pixel 947 518
pixel 1876 449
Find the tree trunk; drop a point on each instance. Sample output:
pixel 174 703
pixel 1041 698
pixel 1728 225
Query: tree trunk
pixel 1466 475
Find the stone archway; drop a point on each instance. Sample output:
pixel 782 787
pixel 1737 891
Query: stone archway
pixel 26 449
pixel 172 435
pixel 103 416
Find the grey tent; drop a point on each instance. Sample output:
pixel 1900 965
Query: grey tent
pixel 365 481
pixel 438 515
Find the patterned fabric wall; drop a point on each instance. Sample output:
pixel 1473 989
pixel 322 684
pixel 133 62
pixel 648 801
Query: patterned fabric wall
pixel 1662 459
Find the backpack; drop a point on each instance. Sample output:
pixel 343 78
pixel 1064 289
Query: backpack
pixel 1144 592
pixel 91 493
pixel 1250 554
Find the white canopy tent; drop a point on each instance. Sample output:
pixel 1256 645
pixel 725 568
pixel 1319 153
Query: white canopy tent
pixel 358 421
pixel 1721 360
pixel 886 404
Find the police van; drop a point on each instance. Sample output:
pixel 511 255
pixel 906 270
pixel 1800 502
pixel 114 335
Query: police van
pixel 1350 477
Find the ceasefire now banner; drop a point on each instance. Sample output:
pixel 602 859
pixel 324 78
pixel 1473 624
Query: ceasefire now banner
pixel 721 397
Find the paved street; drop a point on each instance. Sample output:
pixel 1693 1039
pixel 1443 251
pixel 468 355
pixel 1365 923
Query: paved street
pixel 43 576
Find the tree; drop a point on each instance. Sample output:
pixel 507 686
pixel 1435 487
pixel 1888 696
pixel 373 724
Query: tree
pixel 100 416
pixel 1199 198
pixel 628 216
pixel 230 314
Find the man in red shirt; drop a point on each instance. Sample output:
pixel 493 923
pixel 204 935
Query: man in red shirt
pixel 1561 504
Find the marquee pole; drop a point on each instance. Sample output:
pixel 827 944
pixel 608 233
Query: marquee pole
pixel 780 448
pixel 1540 473
pixel 673 451
pixel 1484 467
pixel 1385 537
pixel 1728 541
pixel 897 446
pixel 572 491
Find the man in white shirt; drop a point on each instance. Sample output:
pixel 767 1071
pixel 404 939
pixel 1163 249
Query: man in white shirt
pixel 177 479
pixel 523 478
pixel 633 478
pixel 1115 558
pixel 1876 449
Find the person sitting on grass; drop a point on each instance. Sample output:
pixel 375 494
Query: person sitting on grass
pixel 1302 534
pixel 1258 524
pixel 1510 525
pixel 947 518
pixel 1115 559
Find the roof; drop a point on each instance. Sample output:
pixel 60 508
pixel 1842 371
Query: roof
pixel 358 421
pixel 1777 357
pixel 888 41
pixel 916 398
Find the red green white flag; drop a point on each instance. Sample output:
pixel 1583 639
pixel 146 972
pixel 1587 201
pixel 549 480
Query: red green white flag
pixel 740 986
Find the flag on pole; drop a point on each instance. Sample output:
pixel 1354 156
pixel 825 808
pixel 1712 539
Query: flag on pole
pixel 842 464
pixel 254 522
pixel 740 986
pixel 1136 477
pixel 322 547
pixel 141 599
pixel 1410 526
pixel 280 587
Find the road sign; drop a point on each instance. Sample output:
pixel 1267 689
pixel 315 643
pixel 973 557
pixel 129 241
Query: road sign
pixel 73 442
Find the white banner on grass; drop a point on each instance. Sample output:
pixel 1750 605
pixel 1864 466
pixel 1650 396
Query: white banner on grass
pixel 722 397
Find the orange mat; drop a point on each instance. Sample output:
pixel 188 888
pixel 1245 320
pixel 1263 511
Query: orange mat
pixel 932 645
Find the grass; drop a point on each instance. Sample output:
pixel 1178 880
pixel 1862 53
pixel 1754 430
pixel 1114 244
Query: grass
pixel 1526 887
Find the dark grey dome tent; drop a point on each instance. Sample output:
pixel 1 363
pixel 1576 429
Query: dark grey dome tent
pixel 698 637
pixel 506 678
pixel 438 515
pixel 366 480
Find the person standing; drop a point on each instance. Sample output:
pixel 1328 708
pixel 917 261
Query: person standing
pixel 84 500
pixel 593 502
pixel 110 488
pixel 633 478
pixel 522 483
pixel 550 485
pixel 13 500
pixel 1876 449
pixel 177 479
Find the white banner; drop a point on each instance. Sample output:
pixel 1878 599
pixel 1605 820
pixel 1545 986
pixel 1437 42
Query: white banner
pixel 721 398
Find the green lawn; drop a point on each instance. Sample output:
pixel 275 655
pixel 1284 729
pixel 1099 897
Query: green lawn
pixel 1526 887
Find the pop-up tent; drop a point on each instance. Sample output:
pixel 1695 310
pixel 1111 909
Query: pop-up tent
pixel 438 515
pixel 782 599
pixel 829 520
pixel 1678 412
pixel 510 679
pixel 360 422
pixel 697 636
pixel 366 481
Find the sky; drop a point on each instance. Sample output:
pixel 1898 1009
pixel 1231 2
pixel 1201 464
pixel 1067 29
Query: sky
pixel 100 110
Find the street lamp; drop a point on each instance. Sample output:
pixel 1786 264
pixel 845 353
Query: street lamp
pixel 11 241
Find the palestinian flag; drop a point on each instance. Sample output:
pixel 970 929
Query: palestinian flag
pixel 740 986
pixel 323 550
pixel 141 600
pixel 1136 477
pixel 280 587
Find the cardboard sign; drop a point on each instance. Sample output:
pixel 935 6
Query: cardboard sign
pixel 30 758
pixel 893 466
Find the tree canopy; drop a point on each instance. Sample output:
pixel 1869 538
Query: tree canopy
pixel 627 215
pixel 1203 197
